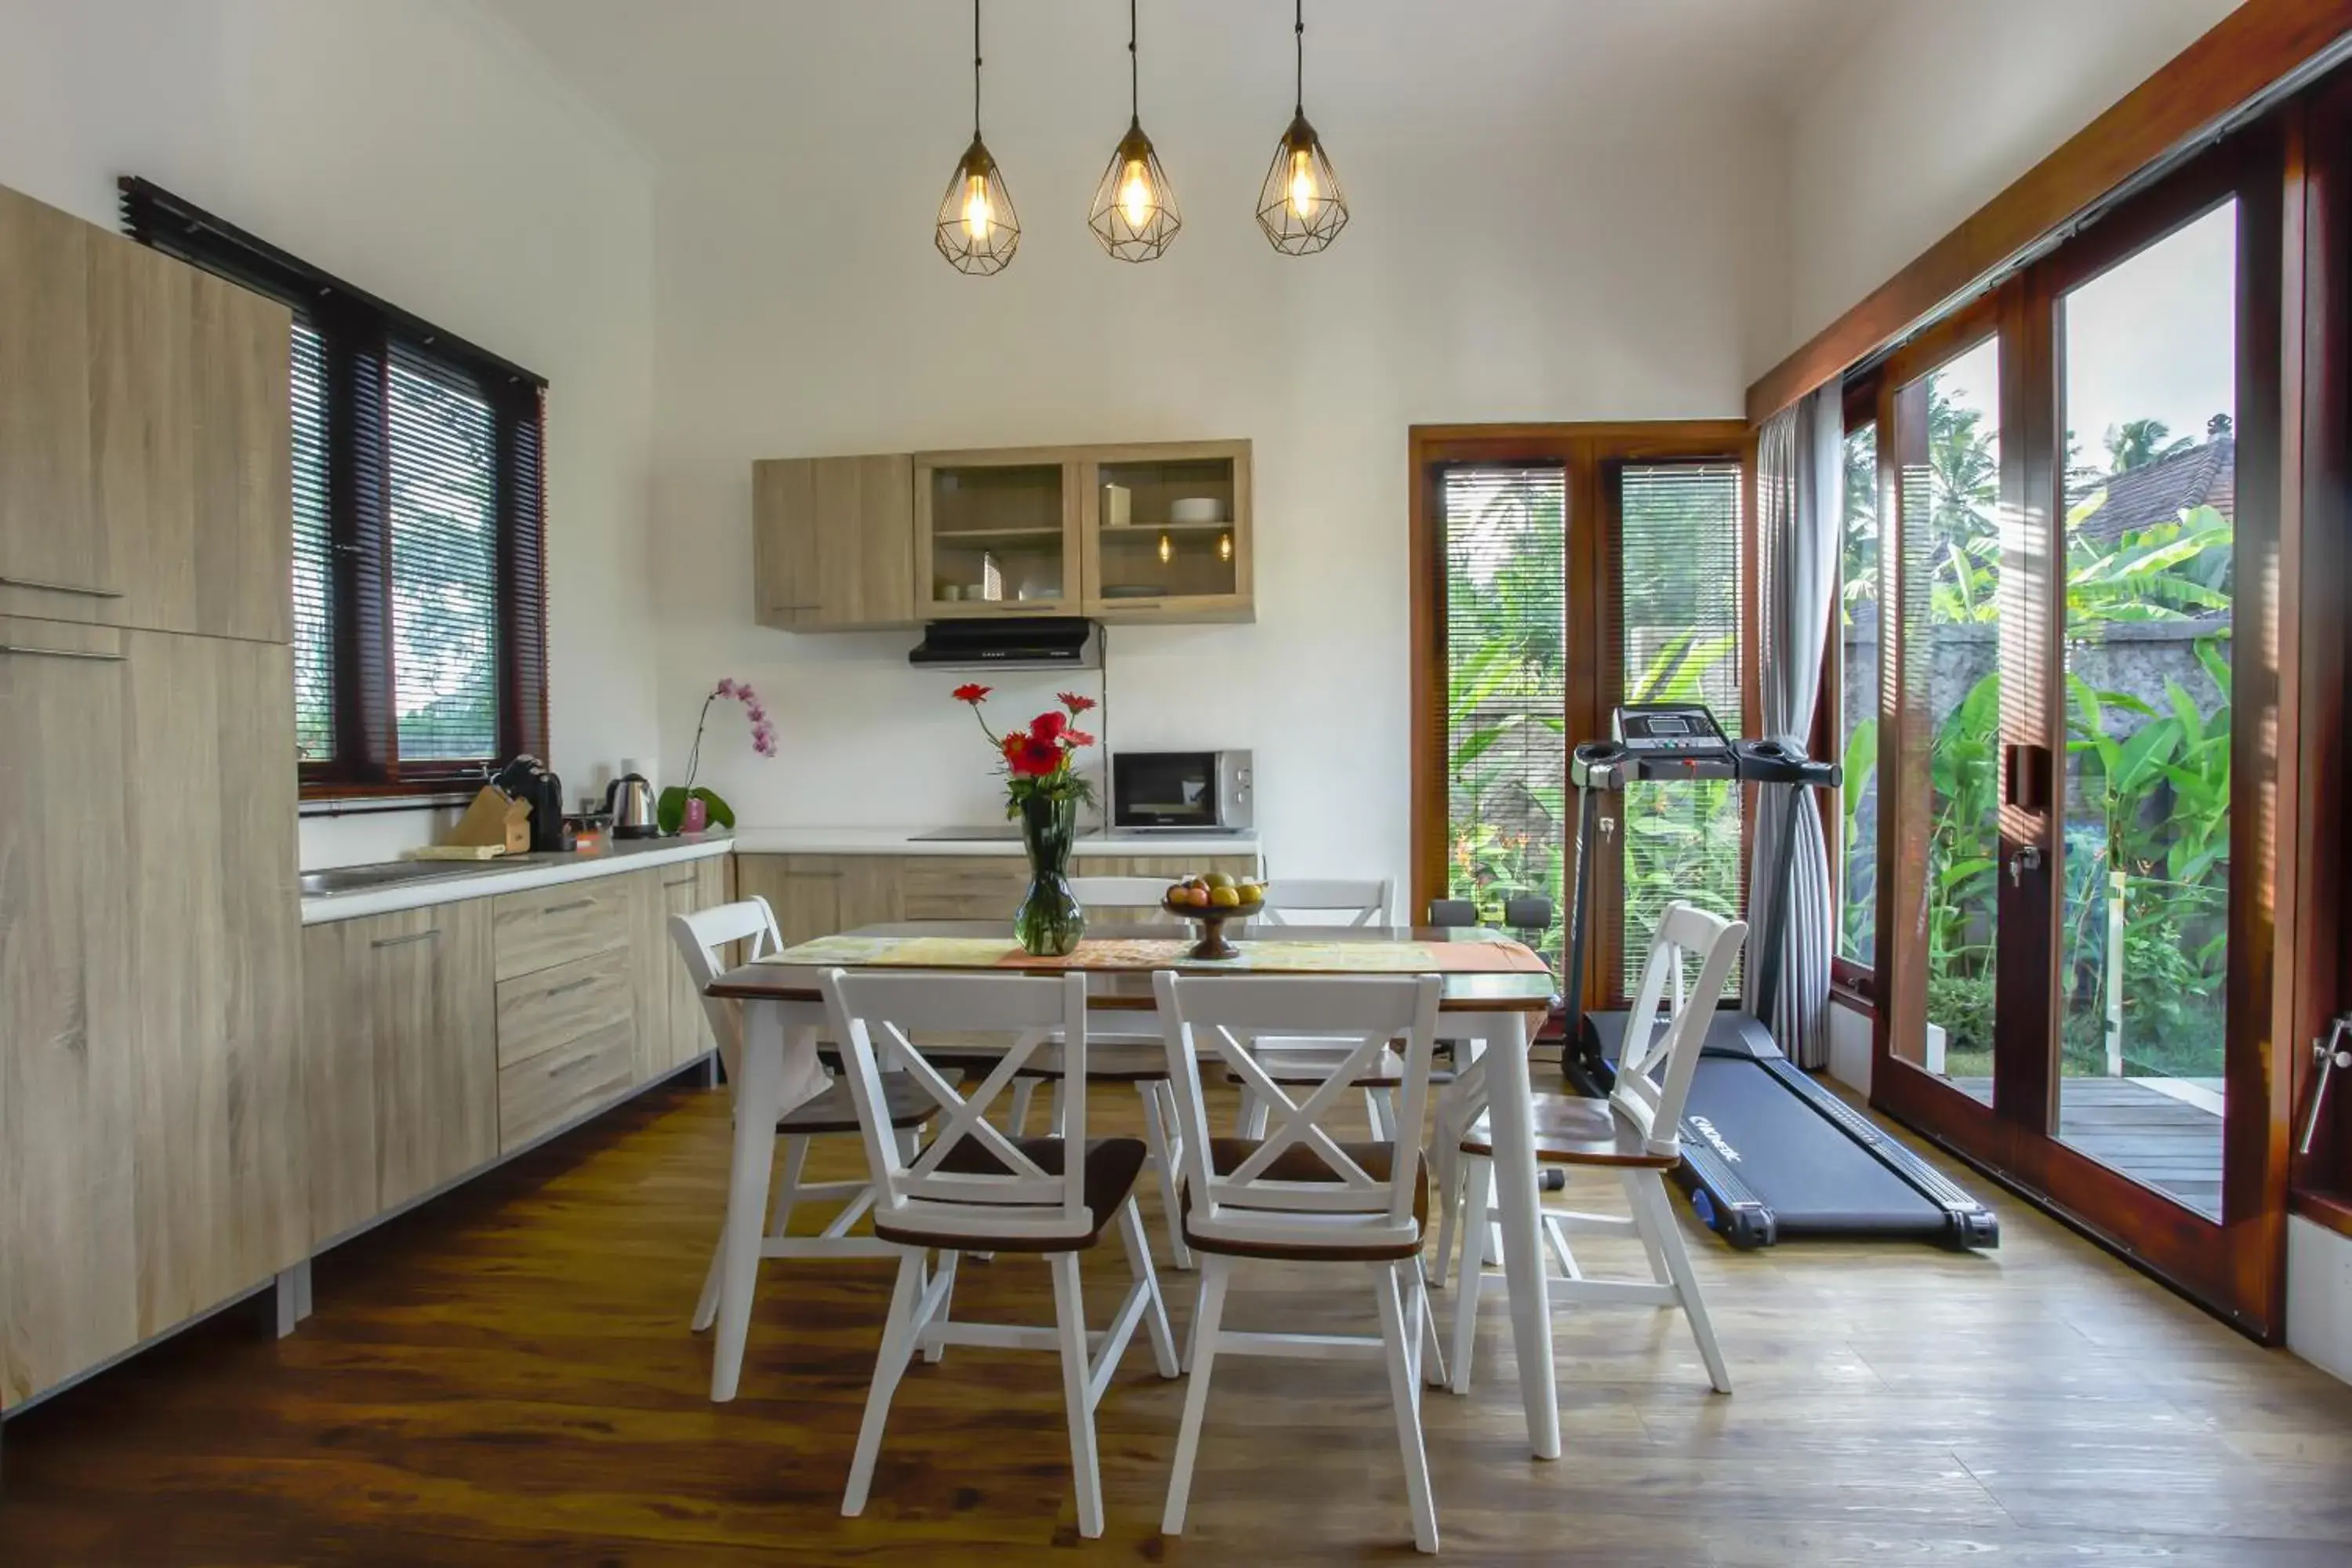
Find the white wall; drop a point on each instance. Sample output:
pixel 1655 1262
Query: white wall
pixel 424 153
pixel 1932 109
pixel 1575 256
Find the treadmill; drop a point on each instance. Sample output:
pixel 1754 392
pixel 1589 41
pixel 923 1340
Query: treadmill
pixel 1768 1153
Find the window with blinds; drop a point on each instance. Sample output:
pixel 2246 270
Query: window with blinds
pixel 419 532
pixel 1679 576
pixel 1506 534
pixel 314 629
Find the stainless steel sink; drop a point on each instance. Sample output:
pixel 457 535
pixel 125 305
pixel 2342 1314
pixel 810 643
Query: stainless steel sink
pixel 391 874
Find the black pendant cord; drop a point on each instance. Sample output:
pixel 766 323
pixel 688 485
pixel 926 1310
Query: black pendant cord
pixel 1134 80
pixel 1299 31
pixel 975 70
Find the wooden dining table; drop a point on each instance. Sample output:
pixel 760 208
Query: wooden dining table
pixel 1497 1009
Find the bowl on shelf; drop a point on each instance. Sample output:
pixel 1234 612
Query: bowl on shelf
pixel 1196 509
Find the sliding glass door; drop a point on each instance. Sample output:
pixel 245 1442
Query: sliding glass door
pixel 2074 922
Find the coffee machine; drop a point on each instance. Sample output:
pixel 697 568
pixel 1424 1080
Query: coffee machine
pixel 530 780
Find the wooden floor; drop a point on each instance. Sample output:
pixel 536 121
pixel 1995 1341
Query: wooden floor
pixel 2152 1137
pixel 507 1377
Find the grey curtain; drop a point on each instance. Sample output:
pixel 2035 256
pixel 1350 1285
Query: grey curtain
pixel 1800 506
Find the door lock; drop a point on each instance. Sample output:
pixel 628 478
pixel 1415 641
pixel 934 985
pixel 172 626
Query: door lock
pixel 2328 1057
pixel 2027 857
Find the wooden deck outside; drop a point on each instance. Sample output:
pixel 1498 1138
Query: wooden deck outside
pixel 506 1376
pixel 2158 1140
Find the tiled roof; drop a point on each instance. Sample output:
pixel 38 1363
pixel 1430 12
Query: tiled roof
pixel 2161 491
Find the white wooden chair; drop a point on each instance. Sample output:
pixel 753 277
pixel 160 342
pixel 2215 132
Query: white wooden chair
pixel 976 1189
pixel 1121 1055
pixel 700 937
pixel 1633 1133
pixel 1354 903
pixel 1301 1195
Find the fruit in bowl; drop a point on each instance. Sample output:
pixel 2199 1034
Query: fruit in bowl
pixel 1217 891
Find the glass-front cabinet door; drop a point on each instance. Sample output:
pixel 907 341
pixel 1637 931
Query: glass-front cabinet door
pixel 997 533
pixel 1168 530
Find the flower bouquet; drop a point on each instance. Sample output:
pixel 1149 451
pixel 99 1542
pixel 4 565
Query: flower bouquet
pixel 1043 792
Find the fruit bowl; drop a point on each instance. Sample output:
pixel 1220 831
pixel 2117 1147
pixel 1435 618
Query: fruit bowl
pixel 1210 908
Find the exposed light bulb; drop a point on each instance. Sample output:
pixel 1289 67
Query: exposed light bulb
pixel 977 218
pixel 1304 197
pixel 1135 194
pixel 1167 550
pixel 1225 545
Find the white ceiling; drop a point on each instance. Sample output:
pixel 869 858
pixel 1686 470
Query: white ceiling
pixel 706 82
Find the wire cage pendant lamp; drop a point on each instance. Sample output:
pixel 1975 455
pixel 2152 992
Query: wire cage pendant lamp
pixel 1301 207
pixel 1134 213
pixel 977 231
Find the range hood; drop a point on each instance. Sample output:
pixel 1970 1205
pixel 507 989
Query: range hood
pixel 1009 642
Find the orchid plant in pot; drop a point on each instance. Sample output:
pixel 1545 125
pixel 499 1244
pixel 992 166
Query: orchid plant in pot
pixel 686 808
pixel 1044 790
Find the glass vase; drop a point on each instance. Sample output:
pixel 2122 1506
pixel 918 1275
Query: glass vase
pixel 1049 922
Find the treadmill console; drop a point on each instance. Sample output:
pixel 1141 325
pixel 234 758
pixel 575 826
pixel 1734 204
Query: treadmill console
pixel 1669 732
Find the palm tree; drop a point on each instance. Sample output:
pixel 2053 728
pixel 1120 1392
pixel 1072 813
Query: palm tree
pixel 2138 441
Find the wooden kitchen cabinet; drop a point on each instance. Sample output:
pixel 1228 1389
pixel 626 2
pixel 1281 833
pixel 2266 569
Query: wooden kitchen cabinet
pixel 567 1044
pixel 145 464
pixel 818 895
pixel 191 468
pixel 675 1029
pixel 50 561
pixel 69 1055
pixel 151 1110
pixel 1000 531
pixel 833 542
pixel 400 1023
pixel 1142 562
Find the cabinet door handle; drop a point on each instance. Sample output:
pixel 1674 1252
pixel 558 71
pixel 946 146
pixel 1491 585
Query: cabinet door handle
pixel 572 985
pixel 60 653
pixel 567 909
pixel 681 882
pixel 74 588
pixel 405 940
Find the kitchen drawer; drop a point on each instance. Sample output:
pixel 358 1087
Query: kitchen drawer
pixel 963 887
pixel 540 1013
pixel 564 1083
pixel 548 926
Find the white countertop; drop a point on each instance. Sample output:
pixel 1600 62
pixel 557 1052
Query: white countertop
pixel 902 841
pixel 513 874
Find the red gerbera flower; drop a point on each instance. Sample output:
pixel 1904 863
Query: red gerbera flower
pixel 1077 738
pixel 1074 702
pixel 1048 727
pixel 972 692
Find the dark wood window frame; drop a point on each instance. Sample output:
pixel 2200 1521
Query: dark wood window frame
pixel 1590 452
pixel 359 336
pixel 1853 982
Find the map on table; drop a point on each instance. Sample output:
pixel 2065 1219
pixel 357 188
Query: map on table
pixel 1270 957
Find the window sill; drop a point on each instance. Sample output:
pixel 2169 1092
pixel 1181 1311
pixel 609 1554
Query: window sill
pixel 373 805
pixel 2330 1211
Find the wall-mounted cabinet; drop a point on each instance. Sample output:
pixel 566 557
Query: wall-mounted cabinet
pixel 833 542
pixel 1155 531
pixel 998 533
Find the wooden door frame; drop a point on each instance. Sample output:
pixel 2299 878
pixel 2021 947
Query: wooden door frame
pixel 2237 1266
pixel 1582 449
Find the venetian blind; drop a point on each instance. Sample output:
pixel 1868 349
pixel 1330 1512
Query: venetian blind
pixel 1679 576
pixel 314 631
pixel 1506 532
pixel 443 476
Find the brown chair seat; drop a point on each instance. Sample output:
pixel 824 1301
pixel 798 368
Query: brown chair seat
pixel 1574 1131
pixel 1112 1166
pixel 1301 1163
pixel 834 1109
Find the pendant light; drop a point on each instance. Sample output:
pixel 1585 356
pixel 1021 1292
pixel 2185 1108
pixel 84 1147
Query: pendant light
pixel 1134 213
pixel 1300 206
pixel 977 231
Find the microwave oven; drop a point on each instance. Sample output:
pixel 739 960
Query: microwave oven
pixel 1178 792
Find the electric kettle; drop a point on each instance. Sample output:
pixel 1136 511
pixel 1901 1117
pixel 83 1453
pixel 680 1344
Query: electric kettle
pixel 629 801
